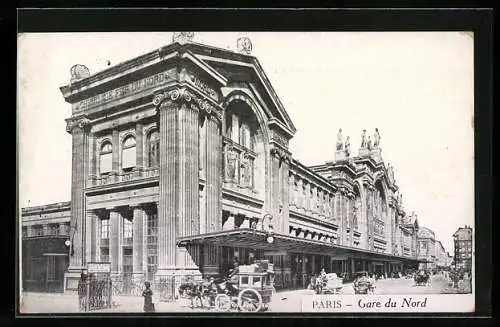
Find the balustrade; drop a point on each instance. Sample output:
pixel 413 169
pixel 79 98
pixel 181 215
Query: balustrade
pixel 125 176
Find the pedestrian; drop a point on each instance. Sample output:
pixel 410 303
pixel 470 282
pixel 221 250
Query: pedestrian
pixel 82 292
pixel 148 298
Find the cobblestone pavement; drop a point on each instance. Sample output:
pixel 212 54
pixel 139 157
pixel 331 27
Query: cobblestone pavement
pixel 285 301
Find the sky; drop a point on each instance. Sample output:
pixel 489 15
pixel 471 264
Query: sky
pixel 416 88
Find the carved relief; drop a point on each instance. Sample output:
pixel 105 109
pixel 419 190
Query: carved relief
pixel 232 159
pixel 246 171
pixel 79 122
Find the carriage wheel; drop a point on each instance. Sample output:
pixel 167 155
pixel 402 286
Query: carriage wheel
pixel 223 302
pixel 249 300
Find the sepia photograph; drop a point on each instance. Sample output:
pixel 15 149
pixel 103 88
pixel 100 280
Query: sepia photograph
pixel 246 172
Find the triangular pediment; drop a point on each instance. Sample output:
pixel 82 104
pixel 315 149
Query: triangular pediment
pixel 239 68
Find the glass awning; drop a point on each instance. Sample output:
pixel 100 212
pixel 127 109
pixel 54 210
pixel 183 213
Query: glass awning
pixel 257 239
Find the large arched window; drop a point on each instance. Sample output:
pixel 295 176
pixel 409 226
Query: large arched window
pixel 106 158
pixel 128 153
pixel 153 148
pixel 241 154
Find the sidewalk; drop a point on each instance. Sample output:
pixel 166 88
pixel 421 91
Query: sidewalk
pixel 47 303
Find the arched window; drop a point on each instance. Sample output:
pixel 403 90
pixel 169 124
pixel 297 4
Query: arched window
pixel 153 149
pixel 128 153
pixel 105 158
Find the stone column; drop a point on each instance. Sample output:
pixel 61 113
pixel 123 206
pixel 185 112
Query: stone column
pixel 137 245
pixel 90 236
pixel 78 127
pixel 93 159
pixel 213 173
pixel 167 209
pixel 115 242
pixel 188 214
pixel 341 221
pixel 274 184
pixel 139 147
pixel 285 189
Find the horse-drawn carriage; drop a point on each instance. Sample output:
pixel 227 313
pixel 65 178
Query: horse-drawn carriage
pixel 363 284
pixel 250 290
pixel 422 278
pixel 328 284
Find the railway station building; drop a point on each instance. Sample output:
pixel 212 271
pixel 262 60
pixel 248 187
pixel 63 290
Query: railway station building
pixel 181 163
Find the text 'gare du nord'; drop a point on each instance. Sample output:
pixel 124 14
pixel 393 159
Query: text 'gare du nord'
pixel 181 162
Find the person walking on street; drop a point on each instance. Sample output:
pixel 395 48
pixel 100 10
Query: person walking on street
pixel 148 298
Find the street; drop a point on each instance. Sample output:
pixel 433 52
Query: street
pixel 285 301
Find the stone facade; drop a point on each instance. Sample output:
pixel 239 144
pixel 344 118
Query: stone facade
pixel 191 140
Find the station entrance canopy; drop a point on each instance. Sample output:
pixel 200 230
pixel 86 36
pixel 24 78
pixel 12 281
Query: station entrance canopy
pixel 256 239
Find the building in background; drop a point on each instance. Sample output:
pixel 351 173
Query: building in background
pixel 441 259
pixel 462 240
pixel 45 229
pixel 427 248
pixel 181 163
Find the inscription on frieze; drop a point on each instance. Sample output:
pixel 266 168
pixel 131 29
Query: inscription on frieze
pixel 126 90
pixel 203 86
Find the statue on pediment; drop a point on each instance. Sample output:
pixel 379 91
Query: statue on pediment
pixel 340 140
pixel 347 146
pixel 390 172
pixel 79 72
pixel 376 138
pixel 244 45
pixel 363 139
pixel 183 37
pixel 369 143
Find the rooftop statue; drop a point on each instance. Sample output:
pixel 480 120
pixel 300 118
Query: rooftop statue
pixel 347 146
pixel 363 139
pixel 183 37
pixel 376 138
pixel 369 143
pixel 79 72
pixel 244 45
pixel 390 171
pixel 340 140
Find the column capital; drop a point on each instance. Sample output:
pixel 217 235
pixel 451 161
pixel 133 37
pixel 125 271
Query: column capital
pixel 174 97
pixel 80 122
pixel 281 154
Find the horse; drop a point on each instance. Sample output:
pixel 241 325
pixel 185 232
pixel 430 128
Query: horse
pixel 192 290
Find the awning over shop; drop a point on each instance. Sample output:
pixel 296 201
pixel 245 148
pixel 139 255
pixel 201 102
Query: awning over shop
pixel 256 239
